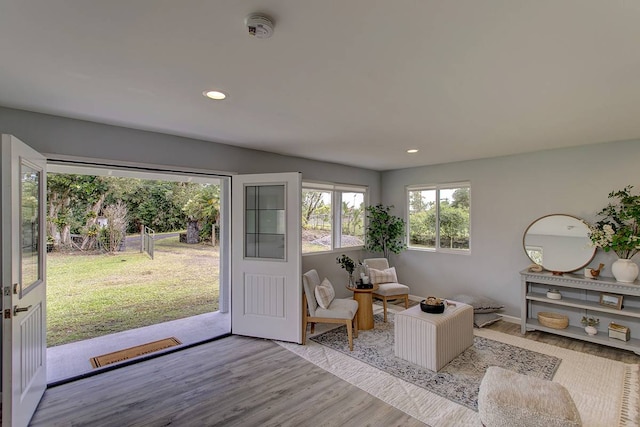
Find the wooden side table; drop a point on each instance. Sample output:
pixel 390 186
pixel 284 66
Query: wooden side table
pixel 365 306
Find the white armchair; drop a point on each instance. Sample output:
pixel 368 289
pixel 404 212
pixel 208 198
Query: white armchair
pixel 340 310
pixel 388 287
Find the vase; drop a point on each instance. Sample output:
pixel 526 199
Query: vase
pixel 590 330
pixel 625 270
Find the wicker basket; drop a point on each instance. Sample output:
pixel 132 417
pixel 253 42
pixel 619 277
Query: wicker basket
pixel 553 320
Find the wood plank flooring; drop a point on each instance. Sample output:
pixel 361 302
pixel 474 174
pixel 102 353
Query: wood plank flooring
pixel 235 381
pixel 238 381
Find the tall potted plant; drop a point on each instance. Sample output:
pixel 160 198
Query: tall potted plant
pixel 619 231
pixel 385 232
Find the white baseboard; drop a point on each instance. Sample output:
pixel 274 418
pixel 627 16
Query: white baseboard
pixel 510 319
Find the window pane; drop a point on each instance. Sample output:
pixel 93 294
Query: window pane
pixel 352 220
pixel 265 221
pixel 270 246
pixel 271 222
pixel 316 221
pixel 422 218
pixel 30 227
pixel 271 197
pixel 454 218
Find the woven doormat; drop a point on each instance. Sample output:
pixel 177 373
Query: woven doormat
pixel 130 353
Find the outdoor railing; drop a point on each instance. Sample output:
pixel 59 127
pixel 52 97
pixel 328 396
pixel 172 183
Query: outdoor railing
pixel 148 236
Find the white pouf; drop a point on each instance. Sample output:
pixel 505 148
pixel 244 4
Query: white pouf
pixel 510 399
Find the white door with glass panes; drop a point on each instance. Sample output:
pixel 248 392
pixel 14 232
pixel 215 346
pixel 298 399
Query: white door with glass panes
pixel 266 290
pixel 24 374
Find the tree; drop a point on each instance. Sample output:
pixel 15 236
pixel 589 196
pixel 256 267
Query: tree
pixel 74 202
pixel 311 202
pixel 351 219
pixel 461 198
pixel 416 202
pixel 203 213
pixel 385 232
pixel 58 200
pixel 422 226
pixel 453 224
pixel 112 234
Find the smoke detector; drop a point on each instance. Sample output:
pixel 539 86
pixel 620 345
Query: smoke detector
pixel 259 26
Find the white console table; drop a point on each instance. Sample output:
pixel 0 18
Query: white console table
pixel 581 297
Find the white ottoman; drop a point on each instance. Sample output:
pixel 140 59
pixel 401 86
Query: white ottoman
pixel 433 340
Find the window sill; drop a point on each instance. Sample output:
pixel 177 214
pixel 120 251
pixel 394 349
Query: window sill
pixel 441 251
pixel 335 251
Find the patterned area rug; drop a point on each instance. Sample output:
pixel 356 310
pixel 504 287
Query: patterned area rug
pixel 459 381
pixel 606 392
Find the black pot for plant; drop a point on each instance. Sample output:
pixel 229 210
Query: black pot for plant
pixel 432 308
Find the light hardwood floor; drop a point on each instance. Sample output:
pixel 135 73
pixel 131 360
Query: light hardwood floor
pixel 237 381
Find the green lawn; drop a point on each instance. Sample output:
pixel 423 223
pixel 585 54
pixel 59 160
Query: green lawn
pixel 94 295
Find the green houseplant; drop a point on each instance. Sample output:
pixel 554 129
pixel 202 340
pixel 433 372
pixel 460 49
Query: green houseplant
pixel 619 231
pixel 385 232
pixel 349 265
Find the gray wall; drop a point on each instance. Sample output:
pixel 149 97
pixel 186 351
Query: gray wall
pixel 507 194
pixel 58 135
pixel 69 137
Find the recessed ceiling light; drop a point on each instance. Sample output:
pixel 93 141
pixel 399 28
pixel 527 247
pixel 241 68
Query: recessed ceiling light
pixel 214 94
pixel 412 150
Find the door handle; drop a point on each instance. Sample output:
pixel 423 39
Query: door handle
pixel 17 309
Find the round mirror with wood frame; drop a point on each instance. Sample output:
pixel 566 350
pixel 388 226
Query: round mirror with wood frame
pixel 559 243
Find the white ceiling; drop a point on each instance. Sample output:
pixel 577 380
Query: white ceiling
pixel 354 81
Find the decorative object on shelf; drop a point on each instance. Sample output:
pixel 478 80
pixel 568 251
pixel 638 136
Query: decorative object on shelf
pixel 590 324
pixel 554 294
pixel 535 267
pixel 559 243
pixel 619 231
pixel 625 270
pixel 385 233
pixel 619 332
pixel 591 330
pixel 611 300
pixel 432 305
pixel 348 264
pixel 553 320
pixel 593 273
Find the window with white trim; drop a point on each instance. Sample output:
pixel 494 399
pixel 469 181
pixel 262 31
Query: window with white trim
pixel 439 217
pixel 333 216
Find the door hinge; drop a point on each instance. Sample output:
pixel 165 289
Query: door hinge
pixel 7 313
pixel 7 291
